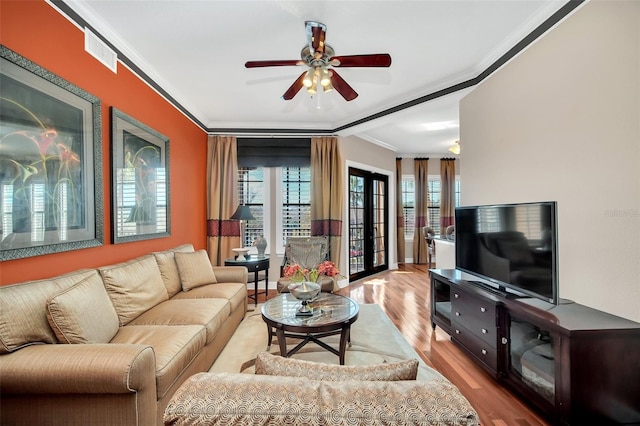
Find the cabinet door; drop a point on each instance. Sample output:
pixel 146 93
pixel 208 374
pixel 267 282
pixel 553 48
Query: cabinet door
pixel 532 354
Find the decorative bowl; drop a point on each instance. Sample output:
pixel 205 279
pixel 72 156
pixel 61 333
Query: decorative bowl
pixel 241 253
pixel 304 291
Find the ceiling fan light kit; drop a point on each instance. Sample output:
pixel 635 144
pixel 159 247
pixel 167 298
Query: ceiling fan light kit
pixel 319 57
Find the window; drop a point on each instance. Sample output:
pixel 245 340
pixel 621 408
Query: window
pixel 251 192
pixel 292 195
pixel 295 201
pixel 408 203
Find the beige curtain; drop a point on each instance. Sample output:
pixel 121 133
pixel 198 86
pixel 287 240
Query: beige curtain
pixel 399 213
pixel 223 234
pixel 448 193
pixel 327 193
pixel 421 174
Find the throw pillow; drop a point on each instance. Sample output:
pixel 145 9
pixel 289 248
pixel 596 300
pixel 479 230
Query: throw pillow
pixel 195 269
pixel 134 286
pixel 169 270
pixel 83 313
pixel 273 365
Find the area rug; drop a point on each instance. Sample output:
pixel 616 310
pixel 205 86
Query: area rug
pixel 374 340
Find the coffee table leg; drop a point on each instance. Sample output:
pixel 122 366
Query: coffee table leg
pixel 270 334
pixel 345 336
pixel 281 342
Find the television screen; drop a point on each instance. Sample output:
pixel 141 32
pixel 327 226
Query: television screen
pixel 512 246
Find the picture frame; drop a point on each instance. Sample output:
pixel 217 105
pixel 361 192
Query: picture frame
pixel 140 199
pixel 51 193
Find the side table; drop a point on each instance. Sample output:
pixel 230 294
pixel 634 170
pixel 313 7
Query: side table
pixel 254 264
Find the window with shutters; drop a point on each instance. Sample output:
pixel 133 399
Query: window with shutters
pixel 295 202
pixel 251 190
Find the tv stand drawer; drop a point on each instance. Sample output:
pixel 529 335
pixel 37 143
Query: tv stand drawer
pixel 475 314
pixel 477 347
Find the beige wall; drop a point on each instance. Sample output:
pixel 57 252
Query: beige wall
pixel 562 122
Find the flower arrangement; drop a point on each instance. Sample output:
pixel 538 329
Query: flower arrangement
pixel 299 274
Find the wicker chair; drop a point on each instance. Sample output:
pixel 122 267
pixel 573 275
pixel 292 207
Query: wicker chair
pixel 429 235
pixel 308 252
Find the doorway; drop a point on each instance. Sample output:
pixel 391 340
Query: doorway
pixel 368 228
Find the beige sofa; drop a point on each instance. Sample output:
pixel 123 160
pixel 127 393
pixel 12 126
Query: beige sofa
pixel 111 345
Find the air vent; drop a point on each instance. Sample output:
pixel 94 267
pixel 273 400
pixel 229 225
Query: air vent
pixel 99 50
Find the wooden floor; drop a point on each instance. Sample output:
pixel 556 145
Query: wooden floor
pixel 404 295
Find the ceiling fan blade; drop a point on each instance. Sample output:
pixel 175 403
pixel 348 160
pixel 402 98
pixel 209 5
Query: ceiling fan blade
pixel 374 60
pixel 294 89
pixel 259 64
pixel 342 87
pixel 316 33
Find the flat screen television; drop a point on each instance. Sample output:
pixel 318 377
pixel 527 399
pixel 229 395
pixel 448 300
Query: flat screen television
pixel 510 246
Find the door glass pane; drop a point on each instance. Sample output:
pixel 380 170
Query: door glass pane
pixel 378 223
pixel 356 224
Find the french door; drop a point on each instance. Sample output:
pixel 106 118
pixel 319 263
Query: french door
pixel 368 229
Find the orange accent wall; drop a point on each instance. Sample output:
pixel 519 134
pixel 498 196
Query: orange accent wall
pixel 37 31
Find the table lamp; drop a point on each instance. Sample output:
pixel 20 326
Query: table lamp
pixel 242 213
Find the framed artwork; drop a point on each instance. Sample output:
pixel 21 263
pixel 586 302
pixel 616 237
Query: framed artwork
pixel 50 162
pixel 140 202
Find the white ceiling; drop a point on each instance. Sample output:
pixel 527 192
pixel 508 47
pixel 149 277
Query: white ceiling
pixel 196 50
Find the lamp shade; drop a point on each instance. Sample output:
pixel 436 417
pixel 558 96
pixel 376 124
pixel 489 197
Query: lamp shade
pixel 243 213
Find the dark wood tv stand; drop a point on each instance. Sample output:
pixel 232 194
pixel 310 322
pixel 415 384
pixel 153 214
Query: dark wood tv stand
pixel 576 364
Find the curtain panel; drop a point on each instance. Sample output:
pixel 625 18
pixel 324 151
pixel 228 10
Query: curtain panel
pixel 327 193
pixel 421 174
pixel 448 193
pixel 399 213
pixel 223 233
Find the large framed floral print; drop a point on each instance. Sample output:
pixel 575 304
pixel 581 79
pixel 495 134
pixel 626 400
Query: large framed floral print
pixel 140 207
pixel 50 162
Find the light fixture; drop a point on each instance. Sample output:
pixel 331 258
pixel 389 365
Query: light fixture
pixel 242 213
pixel 307 81
pixel 455 148
pixel 325 78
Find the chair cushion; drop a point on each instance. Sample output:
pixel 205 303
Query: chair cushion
pixel 235 293
pixel 307 252
pixel 169 269
pixel 209 313
pixel 83 313
pixel 134 286
pixel 195 269
pixel 273 365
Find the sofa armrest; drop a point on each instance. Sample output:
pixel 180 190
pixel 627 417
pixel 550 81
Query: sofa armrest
pixel 231 274
pixel 83 368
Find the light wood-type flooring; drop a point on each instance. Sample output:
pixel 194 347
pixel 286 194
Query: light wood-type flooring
pixel 404 295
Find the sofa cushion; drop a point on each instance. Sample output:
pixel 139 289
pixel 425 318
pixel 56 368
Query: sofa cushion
pixel 23 312
pixel 83 313
pixel 235 293
pixel 168 268
pixel 134 286
pixel 195 269
pixel 175 348
pixel 273 365
pixel 210 313
pixel 234 398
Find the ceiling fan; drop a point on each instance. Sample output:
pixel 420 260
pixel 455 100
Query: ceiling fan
pixel 321 62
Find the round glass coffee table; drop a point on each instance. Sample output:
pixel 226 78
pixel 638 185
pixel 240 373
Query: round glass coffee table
pixel 331 315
